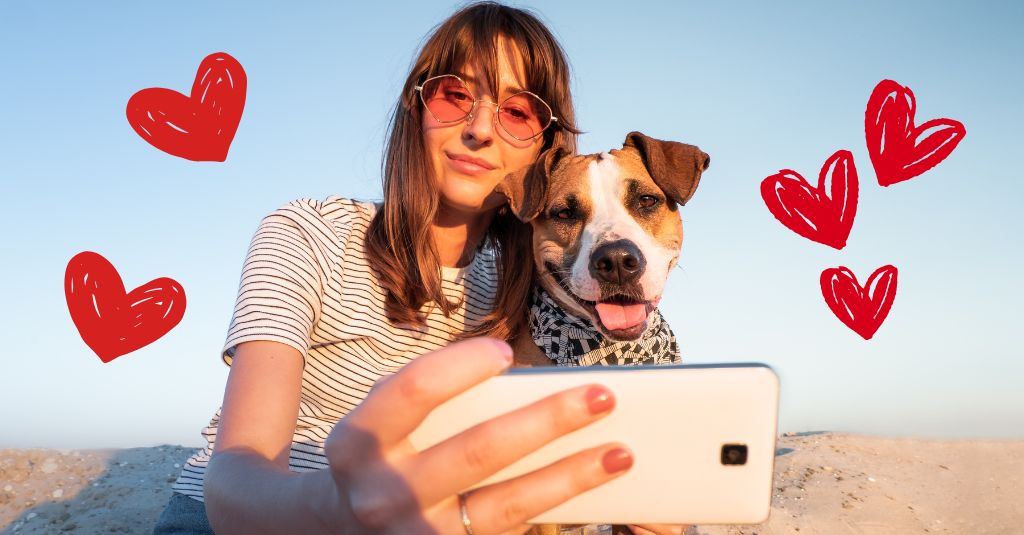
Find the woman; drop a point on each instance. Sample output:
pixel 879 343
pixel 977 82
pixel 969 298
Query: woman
pixel 338 295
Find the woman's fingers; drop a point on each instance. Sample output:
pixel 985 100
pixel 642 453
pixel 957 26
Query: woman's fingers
pixel 367 449
pixel 471 456
pixel 397 405
pixel 507 505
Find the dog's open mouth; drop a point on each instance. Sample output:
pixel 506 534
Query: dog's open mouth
pixel 622 317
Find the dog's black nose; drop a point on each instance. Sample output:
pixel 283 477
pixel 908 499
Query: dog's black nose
pixel 617 262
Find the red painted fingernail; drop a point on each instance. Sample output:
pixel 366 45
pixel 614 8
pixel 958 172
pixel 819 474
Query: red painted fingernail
pixel 600 400
pixel 617 460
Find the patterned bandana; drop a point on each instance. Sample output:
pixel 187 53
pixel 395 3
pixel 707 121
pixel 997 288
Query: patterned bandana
pixel 572 341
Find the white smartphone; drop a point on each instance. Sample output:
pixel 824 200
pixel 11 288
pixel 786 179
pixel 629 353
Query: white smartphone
pixel 703 439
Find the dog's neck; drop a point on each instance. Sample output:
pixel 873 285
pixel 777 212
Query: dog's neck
pixel 571 341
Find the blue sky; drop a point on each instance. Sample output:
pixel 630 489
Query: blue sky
pixel 759 87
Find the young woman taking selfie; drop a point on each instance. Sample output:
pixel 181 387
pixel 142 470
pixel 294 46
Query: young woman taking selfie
pixel 353 320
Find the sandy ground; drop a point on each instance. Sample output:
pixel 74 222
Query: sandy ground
pixel 825 483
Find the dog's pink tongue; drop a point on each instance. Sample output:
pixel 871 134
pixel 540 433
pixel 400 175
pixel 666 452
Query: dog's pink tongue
pixel 615 317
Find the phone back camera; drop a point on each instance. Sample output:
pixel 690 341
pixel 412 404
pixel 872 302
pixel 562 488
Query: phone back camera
pixel 734 454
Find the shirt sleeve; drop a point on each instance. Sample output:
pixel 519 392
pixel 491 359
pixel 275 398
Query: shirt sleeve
pixel 280 294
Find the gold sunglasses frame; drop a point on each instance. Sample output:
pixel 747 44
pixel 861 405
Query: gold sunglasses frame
pixel 497 106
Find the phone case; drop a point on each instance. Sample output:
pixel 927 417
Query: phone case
pixel 681 422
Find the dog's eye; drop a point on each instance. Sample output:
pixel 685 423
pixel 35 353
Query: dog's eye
pixel 648 201
pixel 565 214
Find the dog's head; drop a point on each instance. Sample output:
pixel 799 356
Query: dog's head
pixel 606 227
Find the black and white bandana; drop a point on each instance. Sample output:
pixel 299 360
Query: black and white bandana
pixel 572 341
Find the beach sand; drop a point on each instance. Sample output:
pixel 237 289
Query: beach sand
pixel 825 483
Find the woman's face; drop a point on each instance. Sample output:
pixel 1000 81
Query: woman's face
pixel 471 157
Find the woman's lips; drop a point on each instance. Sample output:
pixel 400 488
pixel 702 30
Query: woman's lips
pixel 468 165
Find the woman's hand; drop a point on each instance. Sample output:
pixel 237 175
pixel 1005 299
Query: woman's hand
pixel 384 486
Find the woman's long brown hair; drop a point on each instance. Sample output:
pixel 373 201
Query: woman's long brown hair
pixel 399 245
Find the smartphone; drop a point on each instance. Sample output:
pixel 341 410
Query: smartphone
pixel 702 436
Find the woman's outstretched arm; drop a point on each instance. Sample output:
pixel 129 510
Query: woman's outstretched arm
pixel 377 482
pixel 248 487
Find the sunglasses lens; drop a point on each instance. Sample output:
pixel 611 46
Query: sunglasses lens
pixel 447 98
pixel 524 115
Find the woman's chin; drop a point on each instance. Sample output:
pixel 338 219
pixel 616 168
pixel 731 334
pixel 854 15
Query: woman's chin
pixel 472 201
pixel 464 206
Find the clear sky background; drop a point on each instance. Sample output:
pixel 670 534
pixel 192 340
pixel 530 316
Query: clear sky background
pixel 760 87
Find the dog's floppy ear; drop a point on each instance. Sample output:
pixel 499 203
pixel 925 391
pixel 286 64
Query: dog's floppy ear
pixel 675 167
pixel 526 189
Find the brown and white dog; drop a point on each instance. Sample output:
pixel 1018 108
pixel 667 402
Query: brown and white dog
pixel 606 230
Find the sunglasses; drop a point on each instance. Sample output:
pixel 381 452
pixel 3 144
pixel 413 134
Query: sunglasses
pixel 523 115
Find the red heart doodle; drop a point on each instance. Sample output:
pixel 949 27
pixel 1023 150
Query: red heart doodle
pixel 198 127
pixel 861 308
pixel 111 322
pixel 811 212
pixel 897 150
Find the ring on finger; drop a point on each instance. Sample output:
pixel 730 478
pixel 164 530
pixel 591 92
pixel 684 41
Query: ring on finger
pixel 464 513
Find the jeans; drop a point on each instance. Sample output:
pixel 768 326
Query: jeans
pixel 183 516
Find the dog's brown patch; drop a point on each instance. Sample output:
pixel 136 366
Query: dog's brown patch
pixel 662 222
pixel 555 239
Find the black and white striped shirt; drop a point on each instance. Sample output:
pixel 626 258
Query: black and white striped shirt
pixel 306 283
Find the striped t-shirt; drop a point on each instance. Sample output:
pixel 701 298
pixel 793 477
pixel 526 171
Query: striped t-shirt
pixel 306 283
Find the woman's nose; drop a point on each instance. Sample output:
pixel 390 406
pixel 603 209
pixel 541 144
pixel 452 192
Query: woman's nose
pixel 480 124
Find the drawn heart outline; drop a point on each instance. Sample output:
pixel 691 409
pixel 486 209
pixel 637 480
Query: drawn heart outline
pixel 824 213
pixel 898 151
pixel 110 321
pixel 861 308
pixel 201 126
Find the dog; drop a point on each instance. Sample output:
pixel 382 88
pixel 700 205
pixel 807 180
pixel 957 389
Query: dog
pixel 606 233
